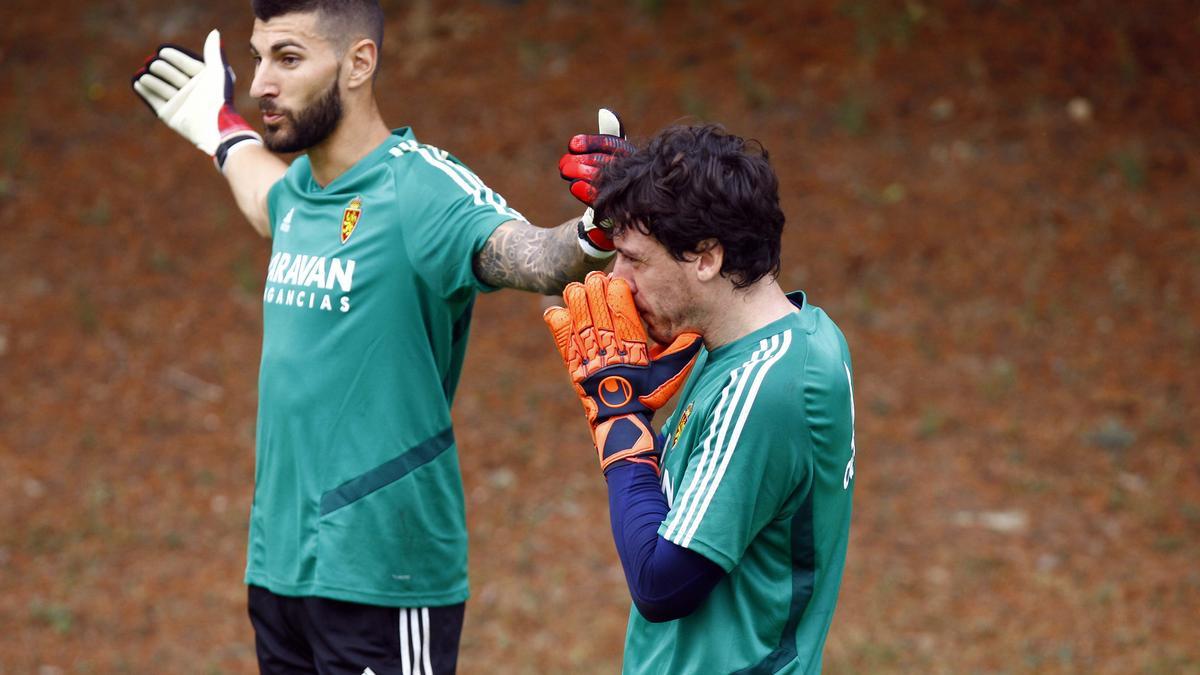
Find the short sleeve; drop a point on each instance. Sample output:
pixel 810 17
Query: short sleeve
pixel 453 215
pixel 743 470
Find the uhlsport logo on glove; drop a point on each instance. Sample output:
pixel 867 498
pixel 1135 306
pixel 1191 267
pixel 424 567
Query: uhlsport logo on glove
pixel 615 391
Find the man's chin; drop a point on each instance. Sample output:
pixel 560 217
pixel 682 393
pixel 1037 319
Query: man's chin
pixel 278 140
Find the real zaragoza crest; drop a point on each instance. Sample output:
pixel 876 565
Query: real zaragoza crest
pixel 350 218
pixel 687 412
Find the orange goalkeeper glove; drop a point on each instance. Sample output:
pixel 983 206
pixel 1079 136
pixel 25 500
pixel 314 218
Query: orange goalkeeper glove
pixel 620 381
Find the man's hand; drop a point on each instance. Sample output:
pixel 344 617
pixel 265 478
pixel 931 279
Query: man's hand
pixel 194 97
pixel 587 155
pixel 620 381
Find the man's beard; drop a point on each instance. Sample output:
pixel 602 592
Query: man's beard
pixel 309 127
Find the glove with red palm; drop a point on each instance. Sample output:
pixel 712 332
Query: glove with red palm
pixel 620 381
pixel 587 155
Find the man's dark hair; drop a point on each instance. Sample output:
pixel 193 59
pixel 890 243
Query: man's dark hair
pixel 695 183
pixel 343 21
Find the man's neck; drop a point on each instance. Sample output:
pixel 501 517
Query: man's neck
pixel 355 137
pixel 741 312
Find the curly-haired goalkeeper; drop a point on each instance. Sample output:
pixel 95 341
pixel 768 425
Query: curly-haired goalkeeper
pixel 731 526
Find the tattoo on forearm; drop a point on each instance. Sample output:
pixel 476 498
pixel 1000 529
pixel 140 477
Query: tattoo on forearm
pixel 539 259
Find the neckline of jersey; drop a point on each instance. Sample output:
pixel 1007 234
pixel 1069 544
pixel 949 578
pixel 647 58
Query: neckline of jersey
pixel 751 339
pixel 369 160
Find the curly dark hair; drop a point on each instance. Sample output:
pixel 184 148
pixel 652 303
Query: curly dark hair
pixel 691 184
pixel 343 20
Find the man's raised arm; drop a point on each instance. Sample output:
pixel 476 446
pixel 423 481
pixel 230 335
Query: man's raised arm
pixel 194 96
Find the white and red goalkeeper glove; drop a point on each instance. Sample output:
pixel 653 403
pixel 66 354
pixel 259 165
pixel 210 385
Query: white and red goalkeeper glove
pixel 587 154
pixel 194 96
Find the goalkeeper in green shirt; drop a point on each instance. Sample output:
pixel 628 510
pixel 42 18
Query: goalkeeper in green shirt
pixel 732 524
pixel 357 556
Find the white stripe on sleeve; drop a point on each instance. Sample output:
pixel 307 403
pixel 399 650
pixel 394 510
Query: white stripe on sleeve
pixel 737 434
pixel 714 442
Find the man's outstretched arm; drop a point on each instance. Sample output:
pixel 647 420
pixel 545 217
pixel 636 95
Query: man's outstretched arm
pixel 251 173
pixel 193 95
pixel 530 258
pixel 519 255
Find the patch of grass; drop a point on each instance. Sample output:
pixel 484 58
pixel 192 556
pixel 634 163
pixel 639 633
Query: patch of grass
pixel 933 421
pixel 161 261
pixel 85 311
pixel 1111 435
pixel 874 656
pixel 246 273
pixel 99 214
pixel 1131 164
pixel 532 55
pixel 1169 543
pixel 1190 512
pixel 692 101
pixel 853 114
pixel 1127 61
pixel 999 380
pixel 878 23
pixel 58 618
pixel 893 193
pixel 651 8
pixel 755 93
pixel 92 81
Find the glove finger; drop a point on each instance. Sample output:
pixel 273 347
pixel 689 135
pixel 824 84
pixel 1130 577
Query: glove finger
pixel 627 325
pixel 584 191
pixel 581 166
pixel 559 322
pixel 151 84
pixel 168 73
pixel 212 48
pixel 596 285
pixel 186 62
pixel 602 143
pixel 575 297
pixel 610 122
pixel 154 101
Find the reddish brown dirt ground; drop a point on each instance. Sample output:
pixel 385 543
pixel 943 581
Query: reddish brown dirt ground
pixel 997 200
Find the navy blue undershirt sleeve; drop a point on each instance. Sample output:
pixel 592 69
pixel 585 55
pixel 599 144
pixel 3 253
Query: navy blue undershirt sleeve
pixel 667 581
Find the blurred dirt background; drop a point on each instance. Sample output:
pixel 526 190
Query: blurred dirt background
pixel 998 200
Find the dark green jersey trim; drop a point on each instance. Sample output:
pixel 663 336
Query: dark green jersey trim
pixel 387 473
pixel 803 572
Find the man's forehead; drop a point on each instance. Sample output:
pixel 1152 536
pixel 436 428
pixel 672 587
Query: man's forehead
pixel 631 240
pixel 296 28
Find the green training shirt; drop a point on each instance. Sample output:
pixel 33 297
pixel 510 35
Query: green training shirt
pixel 758 471
pixel 367 302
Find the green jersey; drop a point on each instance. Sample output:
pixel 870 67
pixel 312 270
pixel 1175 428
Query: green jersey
pixel 757 469
pixel 367 302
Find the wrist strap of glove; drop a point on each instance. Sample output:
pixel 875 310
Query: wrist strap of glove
pixel 235 132
pixel 626 438
pixel 594 241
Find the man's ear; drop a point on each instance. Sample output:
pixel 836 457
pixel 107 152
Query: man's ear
pixel 363 59
pixel 710 255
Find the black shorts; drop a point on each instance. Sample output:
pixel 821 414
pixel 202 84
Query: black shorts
pixel 319 635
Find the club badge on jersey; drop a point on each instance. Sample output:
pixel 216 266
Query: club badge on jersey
pixel 350 217
pixel 687 412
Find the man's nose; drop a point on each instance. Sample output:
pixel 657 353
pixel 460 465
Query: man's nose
pixel 263 85
pixel 621 271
